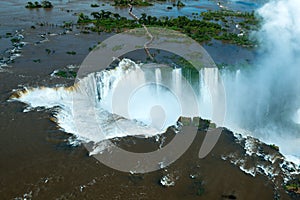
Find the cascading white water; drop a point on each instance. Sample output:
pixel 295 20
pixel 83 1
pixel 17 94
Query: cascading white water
pixel 157 79
pixel 177 80
pixel 95 102
pixel 209 81
pixel 98 90
pixel 263 101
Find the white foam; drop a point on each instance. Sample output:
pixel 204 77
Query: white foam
pixel 296 117
pixel 260 102
pixel 251 171
pixel 92 110
pixel 294 159
pixel 167 181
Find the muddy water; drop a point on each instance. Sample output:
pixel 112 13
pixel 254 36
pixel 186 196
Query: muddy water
pixel 36 161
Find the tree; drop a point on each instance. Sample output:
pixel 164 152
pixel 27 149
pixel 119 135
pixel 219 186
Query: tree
pixel 96 15
pixel 47 4
pixel 116 16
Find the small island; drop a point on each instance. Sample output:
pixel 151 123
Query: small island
pixel 43 4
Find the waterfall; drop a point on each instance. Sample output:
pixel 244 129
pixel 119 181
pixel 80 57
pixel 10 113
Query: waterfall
pixel 121 101
pixel 177 81
pixel 158 79
pixel 262 100
pixel 124 101
pixel 209 84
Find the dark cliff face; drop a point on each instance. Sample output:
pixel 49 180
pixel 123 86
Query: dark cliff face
pixel 237 167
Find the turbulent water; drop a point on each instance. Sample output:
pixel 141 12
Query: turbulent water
pixel 132 99
pixel 265 99
pixel 262 100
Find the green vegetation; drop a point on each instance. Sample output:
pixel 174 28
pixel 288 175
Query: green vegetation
pixel 132 2
pixel 106 21
pixel 71 52
pixel 66 74
pixel 15 40
pixel 183 62
pixel 202 31
pixel 61 74
pixel 180 4
pixel 293 187
pixel 37 60
pixel 48 51
pixel 83 18
pixel 43 4
pixel 247 20
pixel 95 46
pixel 68 24
pixel 94 5
pixel 203 124
pixel 92 48
pixel 273 146
pixel 237 25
